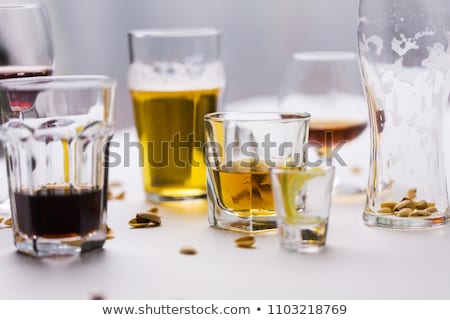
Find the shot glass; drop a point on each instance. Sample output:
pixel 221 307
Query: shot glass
pixel 55 132
pixel 240 149
pixel 302 201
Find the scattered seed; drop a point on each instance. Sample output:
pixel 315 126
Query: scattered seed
pixel 385 210
pixel 188 250
pixel 405 212
pixel 120 196
pixel 245 242
pixel 422 204
pixel 1 219
pixel 136 224
pixel 153 218
pixel 109 233
pixel 110 195
pixel 431 204
pixel 388 204
pixel 145 220
pixel 8 222
pixel 404 204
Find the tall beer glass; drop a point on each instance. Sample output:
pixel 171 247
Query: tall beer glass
pixel 175 78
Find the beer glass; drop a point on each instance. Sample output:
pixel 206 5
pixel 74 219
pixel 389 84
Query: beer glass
pixel 404 52
pixel 175 78
pixel 55 132
pixel 26 50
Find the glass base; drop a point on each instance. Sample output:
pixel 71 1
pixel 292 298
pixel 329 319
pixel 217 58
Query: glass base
pixel 303 238
pixel 158 198
pixel 228 220
pixel 407 223
pixel 49 247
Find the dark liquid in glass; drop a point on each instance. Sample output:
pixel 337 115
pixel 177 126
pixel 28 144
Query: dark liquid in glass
pixel 58 211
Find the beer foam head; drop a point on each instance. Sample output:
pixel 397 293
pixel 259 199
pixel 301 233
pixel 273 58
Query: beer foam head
pixel 165 76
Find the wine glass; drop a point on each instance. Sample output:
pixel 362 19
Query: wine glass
pixel 327 85
pixel 26 50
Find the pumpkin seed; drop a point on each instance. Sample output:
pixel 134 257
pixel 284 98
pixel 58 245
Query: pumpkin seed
pixel 420 213
pixel 145 220
pixel 385 210
pixel 422 204
pixel 404 204
pixel 245 242
pixel 188 250
pixel 135 224
pixel 8 222
pixel 109 233
pixel 405 212
pixel 431 209
pixel 407 207
pixel 148 217
pixel 388 204
pixel 120 196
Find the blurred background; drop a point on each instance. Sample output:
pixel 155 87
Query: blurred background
pixel 258 36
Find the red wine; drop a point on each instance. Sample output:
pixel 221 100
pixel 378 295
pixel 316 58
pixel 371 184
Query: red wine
pixel 10 72
pixel 22 101
pixel 59 211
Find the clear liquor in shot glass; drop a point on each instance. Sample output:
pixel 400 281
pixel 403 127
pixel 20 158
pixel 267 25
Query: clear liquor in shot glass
pixel 56 131
pixel 302 201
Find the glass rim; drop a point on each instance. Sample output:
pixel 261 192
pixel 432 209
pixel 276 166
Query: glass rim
pixel 174 33
pixel 67 82
pixel 324 55
pixel 13 6
pixel 290 116
pixel 294 170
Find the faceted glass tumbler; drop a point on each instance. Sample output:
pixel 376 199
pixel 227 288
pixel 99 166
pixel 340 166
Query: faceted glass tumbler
pixel 56 132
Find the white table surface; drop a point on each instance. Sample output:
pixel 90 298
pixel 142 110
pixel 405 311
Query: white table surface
pixel 358 263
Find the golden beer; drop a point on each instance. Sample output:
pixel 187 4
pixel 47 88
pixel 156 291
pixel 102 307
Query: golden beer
pixel 245 193
pixel 170 129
